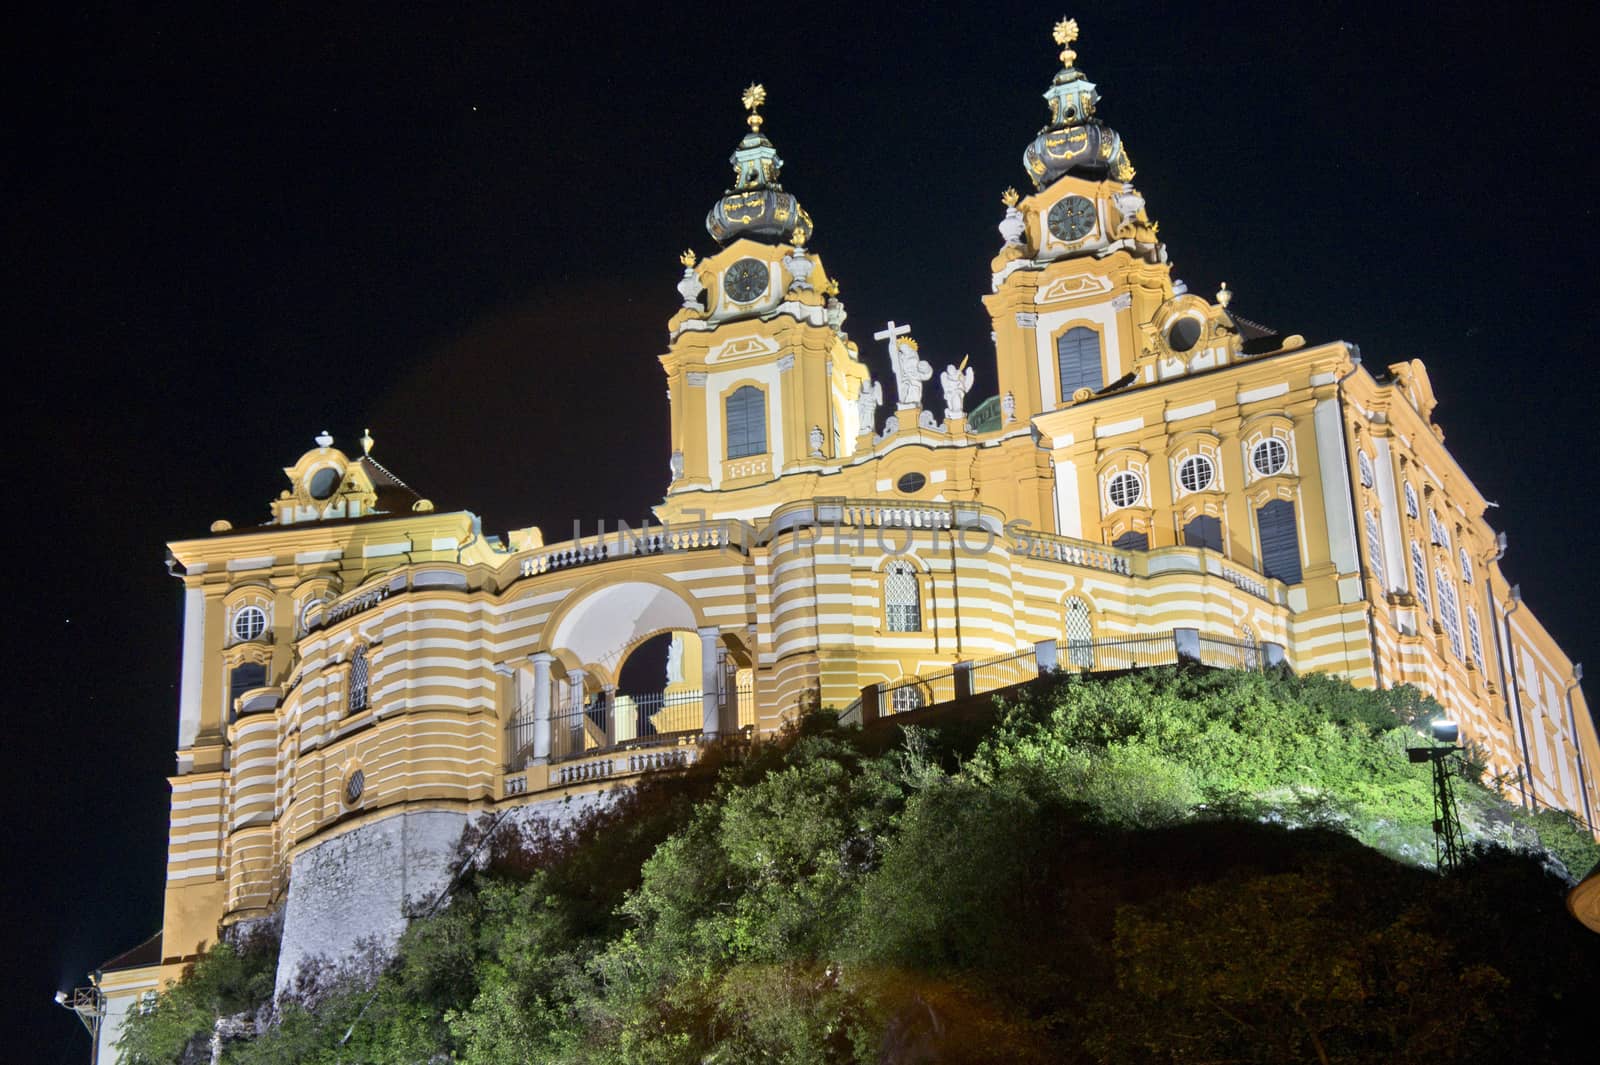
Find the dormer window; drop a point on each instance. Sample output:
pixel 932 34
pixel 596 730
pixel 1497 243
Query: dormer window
pixel 249 623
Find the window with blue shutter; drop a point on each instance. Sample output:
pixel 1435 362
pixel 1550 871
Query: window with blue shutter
pixel 1078 361
pixel 1132 541
pixel 1280 541
pixel 1203 531
pixel 747 422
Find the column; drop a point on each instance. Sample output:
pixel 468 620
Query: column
pixel 541 706
pixel 710 681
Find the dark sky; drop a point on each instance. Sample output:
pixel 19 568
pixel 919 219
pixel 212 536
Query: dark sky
pixel 230 227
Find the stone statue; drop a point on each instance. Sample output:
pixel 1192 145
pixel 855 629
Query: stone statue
pixel 1008 408
pixel 956 382
pixel 689 286
pixel 675 660
pixel 909 372
pixel 816 441
pixel 867 405
pixel 675 465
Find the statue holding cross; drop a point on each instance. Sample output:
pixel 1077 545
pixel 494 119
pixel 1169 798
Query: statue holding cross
pixel 909 369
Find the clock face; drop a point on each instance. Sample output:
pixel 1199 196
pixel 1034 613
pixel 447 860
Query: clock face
pixel 1072 218
pixel 745 280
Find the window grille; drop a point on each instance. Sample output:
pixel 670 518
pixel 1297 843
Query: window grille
pixel 1080 634
pixel 1375 551
pixel 1124 490
pixel 249 622
pixel 1203 531
pixel 1419 574
pixel 1437 532
pixel 1365 465
pixel 1078 362
pixel 906 697
pixel 358 680
pixel 902 598
pixel 1411 502
pixel 1466 567
pixel 747 422
pixel 1449 611
pixel 1475 637
pixel 1270 456
pixel 1196 473
pixel 1280 541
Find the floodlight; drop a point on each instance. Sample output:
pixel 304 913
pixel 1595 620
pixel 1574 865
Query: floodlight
pixel 61 998
pixel 1446 731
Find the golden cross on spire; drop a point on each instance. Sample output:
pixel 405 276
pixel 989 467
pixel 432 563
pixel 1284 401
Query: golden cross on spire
pixel 1066 32
pixel 753 98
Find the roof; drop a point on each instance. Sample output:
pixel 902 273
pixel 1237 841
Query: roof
pixel 394 495
pixel 1255 338
pixel 146 953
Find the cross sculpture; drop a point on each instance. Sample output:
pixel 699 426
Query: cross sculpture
pixel 909 371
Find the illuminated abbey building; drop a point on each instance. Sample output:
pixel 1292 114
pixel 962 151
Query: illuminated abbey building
pixel 1151 474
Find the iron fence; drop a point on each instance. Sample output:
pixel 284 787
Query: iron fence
pixel 994 673
pixel 1222 653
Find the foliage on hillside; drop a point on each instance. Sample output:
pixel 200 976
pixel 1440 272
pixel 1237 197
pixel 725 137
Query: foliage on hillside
pixel 1159 868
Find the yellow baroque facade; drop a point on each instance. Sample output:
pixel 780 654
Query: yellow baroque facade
pixel 1152 474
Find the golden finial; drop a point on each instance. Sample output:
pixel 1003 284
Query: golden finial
pixel 688 258
pixel 1009 197
pixel 832 288
pixel 366 441
pixel 798 239
pixel 1224 297
pixel 753 98
pixel 1066 32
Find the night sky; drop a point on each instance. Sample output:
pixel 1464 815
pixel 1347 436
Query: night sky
pixel 230 228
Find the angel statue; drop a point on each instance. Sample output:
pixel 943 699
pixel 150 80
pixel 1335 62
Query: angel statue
pixel 867 405
pixel 909 372
pixel 956 382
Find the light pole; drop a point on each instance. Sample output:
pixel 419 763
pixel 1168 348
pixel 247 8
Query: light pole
pixel 1447 842
pixel 90 1006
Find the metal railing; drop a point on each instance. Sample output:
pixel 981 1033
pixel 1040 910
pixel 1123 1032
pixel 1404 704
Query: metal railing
pixel 607 721
pixel 992 674
pixel 1126 652
pixel 1222 653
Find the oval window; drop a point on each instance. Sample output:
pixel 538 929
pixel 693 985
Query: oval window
pixel 1183 334
pixel 354 786
pixel 323 483
pixel 911 482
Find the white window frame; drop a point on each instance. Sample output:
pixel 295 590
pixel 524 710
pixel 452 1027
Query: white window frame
pixel 1124 477
pixel 1196 462
pixel 1266 446
pixel 1364 464
pixel 902 598
pixel 1449 611
pixel 1375 550
pixel 1419 577
pixel 256 632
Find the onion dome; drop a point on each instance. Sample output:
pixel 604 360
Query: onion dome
pixel 1075 141
pixel 756 206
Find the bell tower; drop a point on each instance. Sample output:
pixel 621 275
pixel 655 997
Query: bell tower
pixel 1082 269
pixel 762 379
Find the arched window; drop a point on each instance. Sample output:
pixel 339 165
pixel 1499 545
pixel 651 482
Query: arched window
pixel 1080 634
pixel 1365 465
pixel 1203 531
pixel 1449 611
pixel 1132 540
pixel 1437 533
pixel 358 680
pixel 1419 575
pixel 1078 361
pixel 1280 541
pixel 906 697
pixel 1466 567
pixel 902 599
pixel 747 422
pixel 1411 501
pixel 1476 637
pixel 1375 551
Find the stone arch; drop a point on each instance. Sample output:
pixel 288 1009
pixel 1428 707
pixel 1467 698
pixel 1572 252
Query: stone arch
pixel 601 621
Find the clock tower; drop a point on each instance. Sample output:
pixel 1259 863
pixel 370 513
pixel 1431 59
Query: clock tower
pixel 762 379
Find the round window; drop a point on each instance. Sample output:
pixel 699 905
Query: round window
pixel 249 623
pixel 354 785
pixel 1125 490
pixel 324 482
pixel 1196 473
pixel 1269 457
pixel 911 482
pixel 1183 334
